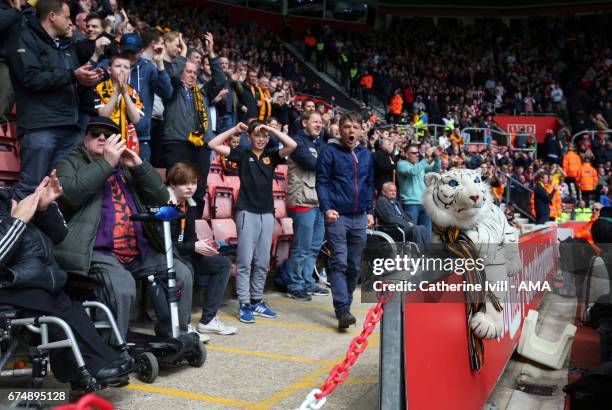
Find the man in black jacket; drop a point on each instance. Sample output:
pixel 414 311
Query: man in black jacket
pixel 45 73
pixel 384 164
pixel 542 199
pixel 602 236
pixel 10 20
pixel 31 280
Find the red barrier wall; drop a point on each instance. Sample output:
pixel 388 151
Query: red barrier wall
pixel 533 125
pixel 438 374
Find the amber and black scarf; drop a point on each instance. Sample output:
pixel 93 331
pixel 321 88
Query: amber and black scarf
pixel 460 245
pixel 201 123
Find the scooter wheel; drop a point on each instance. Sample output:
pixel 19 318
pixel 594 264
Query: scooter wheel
pixel 198 359
pixel 148 368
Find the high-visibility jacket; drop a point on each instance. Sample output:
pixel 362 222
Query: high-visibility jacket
pixel 498 191
pixel 583 214
pixel 367 81
pixel 572 164
pixel 343 58
pixel 320 46
pixel 353 73
pixel 565 216
pixel 396 104
pixel 588 177
pixel 420 127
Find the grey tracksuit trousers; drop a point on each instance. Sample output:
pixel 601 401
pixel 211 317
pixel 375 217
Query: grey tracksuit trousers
pixel 254 243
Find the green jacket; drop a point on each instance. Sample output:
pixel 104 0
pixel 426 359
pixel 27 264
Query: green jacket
pixel 82 179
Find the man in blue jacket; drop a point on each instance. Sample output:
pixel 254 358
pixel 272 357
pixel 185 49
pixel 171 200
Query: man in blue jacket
pixel 345 186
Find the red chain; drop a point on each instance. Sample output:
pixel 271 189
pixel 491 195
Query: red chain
pixel 341 371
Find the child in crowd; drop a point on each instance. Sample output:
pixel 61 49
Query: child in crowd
pixel 203 255
pixel 254 211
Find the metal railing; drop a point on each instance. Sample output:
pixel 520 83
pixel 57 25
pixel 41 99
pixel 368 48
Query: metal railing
pixel 591 132
pixel 512 183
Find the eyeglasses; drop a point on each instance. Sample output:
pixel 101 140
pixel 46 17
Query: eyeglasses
pixel 414 152
pixel 95 132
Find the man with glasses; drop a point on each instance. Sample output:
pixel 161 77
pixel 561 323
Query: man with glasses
pixel 104 183
pixel 411 176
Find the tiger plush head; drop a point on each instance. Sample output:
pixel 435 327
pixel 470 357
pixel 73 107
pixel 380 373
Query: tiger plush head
pixel 458 197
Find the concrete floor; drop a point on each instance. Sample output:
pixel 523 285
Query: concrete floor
pixel 272 364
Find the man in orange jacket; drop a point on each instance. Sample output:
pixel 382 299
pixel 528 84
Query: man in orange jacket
pixel 395 106
pixel 588 181
pixel 572 165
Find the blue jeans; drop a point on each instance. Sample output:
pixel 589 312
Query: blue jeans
pixel 225 122
pixel 308 232
pixel 346 238
pixel 417 213
pixel 40 150
pixel 145 150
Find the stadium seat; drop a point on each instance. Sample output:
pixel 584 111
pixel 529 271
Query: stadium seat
pixel 224 230
pixel 283 170
pixel 281 240
pixel 214 180
pixel 9 163
pixel 223 202
pixel 234 183
pixel 203 231
pixel 280 207
pixel 279 186
pixel 216 160
pixel 206 213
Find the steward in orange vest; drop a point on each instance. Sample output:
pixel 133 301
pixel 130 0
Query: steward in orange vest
pixel 572 163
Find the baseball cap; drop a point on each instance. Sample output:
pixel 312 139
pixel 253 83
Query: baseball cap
pixel 103 122
pixel 131 42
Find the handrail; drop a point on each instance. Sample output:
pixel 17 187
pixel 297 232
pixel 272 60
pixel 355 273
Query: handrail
pixel 508 192
pixel 606 131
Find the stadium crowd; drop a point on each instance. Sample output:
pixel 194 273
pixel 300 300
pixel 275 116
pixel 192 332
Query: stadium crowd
pixel 104 95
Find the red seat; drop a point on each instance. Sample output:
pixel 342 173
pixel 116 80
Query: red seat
pixel 283 170
pixel 233 182
pixel 283 231
pixel 279 186
pixel 214 180
pixel 216 159
pixel 224 230
pixel 203 231
pixel 206 213
pixel 223 202
pixel 9 162
pixel 280 207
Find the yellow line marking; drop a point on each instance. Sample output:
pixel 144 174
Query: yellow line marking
pixel 261 354
pixel 188 395
pixel 312 305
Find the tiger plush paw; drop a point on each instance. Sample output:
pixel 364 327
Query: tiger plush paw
pixel 489 324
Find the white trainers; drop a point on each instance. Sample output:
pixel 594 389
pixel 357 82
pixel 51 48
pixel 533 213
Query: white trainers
pixel 203 338
pixel 216 326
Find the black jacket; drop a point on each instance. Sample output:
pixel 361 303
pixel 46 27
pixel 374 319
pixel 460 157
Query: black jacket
pixel 542 200
pixel 26 250
pixel 43 78
pixel 384 168
pixel 602 227
pixel 10 20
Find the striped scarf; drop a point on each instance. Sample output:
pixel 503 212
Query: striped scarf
pixel 201 124
pixel 460 245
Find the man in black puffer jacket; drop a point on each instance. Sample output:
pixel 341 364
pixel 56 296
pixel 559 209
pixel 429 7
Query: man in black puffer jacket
pixel 31 281
pixel 44 74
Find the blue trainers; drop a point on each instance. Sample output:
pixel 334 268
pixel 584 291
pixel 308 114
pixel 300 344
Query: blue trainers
pixel 245 314
pixel 262 309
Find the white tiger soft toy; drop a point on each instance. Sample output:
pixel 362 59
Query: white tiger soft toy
pixel 459 198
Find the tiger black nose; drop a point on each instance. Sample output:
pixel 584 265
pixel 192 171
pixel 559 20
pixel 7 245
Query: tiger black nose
pixel 474 198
